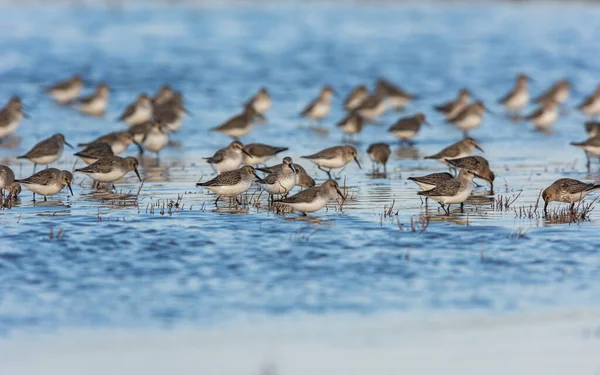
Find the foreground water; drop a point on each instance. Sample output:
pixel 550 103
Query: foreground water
pixel 118 263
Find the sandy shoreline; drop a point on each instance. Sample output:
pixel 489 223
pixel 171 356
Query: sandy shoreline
pixel 559 342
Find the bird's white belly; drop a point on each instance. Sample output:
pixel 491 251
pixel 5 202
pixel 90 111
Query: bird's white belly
pixel 238 132
pixel 547 118
pixel 336 162
pixel 45 190
pixel 561 96
pixel 230 190
pixel 89 161
pixel 453 199
pixel 118 148
pixel 518 101
pixel 355 102
pixel 64 96
pixel 10 128
pixel 319 111
pixel 282 186
pixel 256 160
pixel 95 107
pixel 45 160
pixel 111 176
pixel 138 116
pixel 175 125
pixel 228 164
pixel 349 127
pixel 404 134
pixel 470 122
pixel 397 102
pixel 455 111
pixel 312 206
pixel 262 105
pixel 592 150
pixel 371 113
pixel 593 108
pixel 572 198
pixel 156 141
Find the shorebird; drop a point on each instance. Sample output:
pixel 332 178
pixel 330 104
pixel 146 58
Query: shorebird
pixel 333 157
pixel 430 181
pixel 591 105
pixel 302 178
pixel 231 183
pixel 66 91
pixel 11 116
pixel 48 182
pixel 518 97
pixel 95 104
pixel 47 151
pixel 557 93
pixel 396 98
pixel 478 164
pixel 351 124
pixel 469 118
pixel 137 112
pixel 156 138
pixel 260 153
pixel 164 94
pixel 407 127
pixel 567 190
pixel 95 151
pixel 118 141
pixel 379 153
pixel 356 97
pixel 453 191
pixel 373 106
pixel 457 150
pixel 261 102
pixel 7 177
pixel 313 199
pixel 591 147
pixel 171 113
pixel 452 108
pixel 110 169
pixel 319 108
pixel 228 158
pixel 282 180
pixel 544 116
pixel 592 128
pixel 239 125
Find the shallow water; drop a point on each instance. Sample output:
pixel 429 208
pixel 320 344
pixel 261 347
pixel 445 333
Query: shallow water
pixel 118 263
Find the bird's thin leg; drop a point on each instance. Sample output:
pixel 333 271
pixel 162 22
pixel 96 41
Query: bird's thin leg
pixel 217 201
pixel 303 213
pixel 238 201
pixel 113 186
pixel 157 159
pixel 476 184
pixel 465 134
pixel 462 207
pixel 45 199
pixel 384 169
pixel 572 206
pixel 34 167
pixel 426 199
pixel 588 164
pixel 326 171
pixel 448 209
pixel 34 197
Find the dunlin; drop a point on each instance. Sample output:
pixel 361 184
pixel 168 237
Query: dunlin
pixel 453 191
pixel 171 113
pixel 319 108
pixel 48 182
pixel 47 151
pixel 66 91
pixel 452 108
pixel 231 183
pixel 156 138
pixel 457 150
pixel 95 104
pixel 478 164
pixel 407 127
pixel 544 116
pixel 281 181
pixel 137 112
pixel 334 157
pixel 7 177
pixel 379 153
pixel 591 146
pixel 518 97
pixel 591 105
pixel 239 125
pixel 95 151
pixel 313 199
pixel 469 118
pixel 351 124
pixel 110 169
pixel 373 105
pixel 228 159
pixel 11 116
pixel 260 153
pixel 118 141
pixel 396 97
pixel 430 181
pixel 567 190
pixel 557 93
pixel 261 102
pixel 592 128
pixel 356 97
pixel 164 94
pixel 302 178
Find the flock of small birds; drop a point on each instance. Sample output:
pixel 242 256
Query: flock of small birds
pixel 151 121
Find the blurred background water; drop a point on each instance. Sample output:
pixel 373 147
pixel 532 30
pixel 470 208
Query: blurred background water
pixel 119 265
